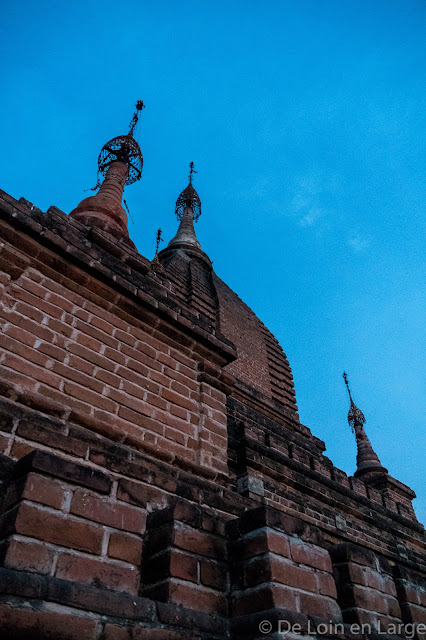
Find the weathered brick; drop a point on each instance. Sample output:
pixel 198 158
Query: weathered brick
pixel 26 555
pixel 99 572
pixel 190 595
pixel 203 544
pixel 124 547
pixel 213 575
pixel 51 438
pixel 52 465
pixel 114 514
pixel 319 606
pixel 183 566
pixel 37 522
pixel 28 623
pixel 310 555
pixel 36 488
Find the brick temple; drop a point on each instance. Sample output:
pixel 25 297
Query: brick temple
pixel 156 481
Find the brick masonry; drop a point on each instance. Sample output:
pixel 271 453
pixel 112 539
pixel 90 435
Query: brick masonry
pixel 155 479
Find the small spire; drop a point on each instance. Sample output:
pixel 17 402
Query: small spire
pixel 120 163
pixel 367 459
pixel 189 198
pixel 155 263
pixel 188 210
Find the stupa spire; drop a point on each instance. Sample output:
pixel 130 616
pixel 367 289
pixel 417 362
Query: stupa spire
pixel 367 460
pixel 188 210
pixel 120 163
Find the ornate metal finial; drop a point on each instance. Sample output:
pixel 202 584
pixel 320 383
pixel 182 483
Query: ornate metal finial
pixel 158 239
pixel 134 121
pixel 355 415
pixel 189 198
pixel 191 171
pixel 123 149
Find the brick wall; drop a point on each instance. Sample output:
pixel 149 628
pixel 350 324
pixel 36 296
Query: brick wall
pixel 101 365
pixel 146 491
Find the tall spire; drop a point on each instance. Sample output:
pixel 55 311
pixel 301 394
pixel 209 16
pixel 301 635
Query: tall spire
pixel 367 460
pixel 120 163
pixel 188 210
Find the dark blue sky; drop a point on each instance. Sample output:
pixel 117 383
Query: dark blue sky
pixel 305 121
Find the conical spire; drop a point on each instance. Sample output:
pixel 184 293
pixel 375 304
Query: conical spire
pixel 188 210
pixel 367 460
pixel 120 162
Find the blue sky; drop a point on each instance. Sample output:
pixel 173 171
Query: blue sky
pixel 304 119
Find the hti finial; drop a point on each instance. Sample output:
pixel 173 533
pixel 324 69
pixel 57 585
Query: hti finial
pixel 355 415
pixel 345 378
pixel 134 121
pixel 191 171
pixel 123 149
pixel 189 199
pixel 158 239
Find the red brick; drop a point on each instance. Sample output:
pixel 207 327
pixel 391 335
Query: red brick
pixel 19 334
pixel 262 599
pixel 318 606
pixel 175 398
pixel 21 449
pixel 310 555
pixel 89 342
pixel 38 302
pixel 76 374
pixel 33 371
pixel 183 566
pixel 92 398
pixel 175 436
pixel 51 438
pixel 108 378
pixel 22 350
pixel 34 521
pixel 98 360
pixel 61 301
pixel 52 351
pixel 134 403
pixel 36 488
pixel 194 597
pixel 54 625
pixel 125 336
pixel 139 361
pixel 141 494
pixel 58 326
pixel 99 572
pixel 97 334
pixel 326 584
pixel 116 632
pixel 36 329
pixel 370 599
pixel 114 514
pixel 202 544
pixel 124 547
pixel 115 356
pixel 213 574
pixel 290 575
pixel 176 423
pixel 104 326
pixel 141 420
pixel 27 556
